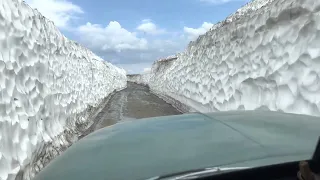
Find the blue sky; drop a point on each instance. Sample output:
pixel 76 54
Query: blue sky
pixel 133 33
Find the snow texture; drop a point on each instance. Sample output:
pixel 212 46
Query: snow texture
pixel 264 56
pixel 46 83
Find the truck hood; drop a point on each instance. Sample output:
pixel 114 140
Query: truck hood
pixel 145 148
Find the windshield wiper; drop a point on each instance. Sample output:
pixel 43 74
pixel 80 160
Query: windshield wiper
pixel 193 174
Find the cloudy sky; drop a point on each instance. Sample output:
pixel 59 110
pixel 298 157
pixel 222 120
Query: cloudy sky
pixel 134 33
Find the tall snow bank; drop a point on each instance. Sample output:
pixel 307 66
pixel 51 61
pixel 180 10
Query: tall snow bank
pixel 46 83
pixel 139 78
pixel 158 65
pixel 266 55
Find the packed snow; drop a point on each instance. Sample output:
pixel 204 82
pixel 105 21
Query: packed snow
pixel 47 82
pixel 264 56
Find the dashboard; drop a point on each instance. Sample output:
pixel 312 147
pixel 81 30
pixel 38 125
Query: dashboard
pixel 285 171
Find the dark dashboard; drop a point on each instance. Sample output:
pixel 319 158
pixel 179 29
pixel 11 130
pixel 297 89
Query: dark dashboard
pixel 285 171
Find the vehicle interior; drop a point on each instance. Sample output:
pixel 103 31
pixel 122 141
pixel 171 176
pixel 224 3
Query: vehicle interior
pixel 284 171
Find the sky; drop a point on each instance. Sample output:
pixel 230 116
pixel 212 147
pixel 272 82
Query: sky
pixel 132 34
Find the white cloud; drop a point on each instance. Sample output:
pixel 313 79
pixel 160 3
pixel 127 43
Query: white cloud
pixel 113 37
pixel 215 2
pixel 149 27
pixel 125 48
pixel 135 68
pixel 128 49
pixel 193 33
pixel 145 70
pixel 116 42
pixel 61 12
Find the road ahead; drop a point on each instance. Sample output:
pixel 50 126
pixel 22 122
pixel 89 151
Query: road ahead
pixel 134 102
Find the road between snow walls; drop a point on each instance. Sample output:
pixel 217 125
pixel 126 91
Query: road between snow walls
pixel 48 86
pixel 264 56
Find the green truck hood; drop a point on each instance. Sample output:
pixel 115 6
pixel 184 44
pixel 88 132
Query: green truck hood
pixel 145 148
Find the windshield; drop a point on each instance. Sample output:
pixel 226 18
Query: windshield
pixel 133 89
pixel 162 146
pixel 193 174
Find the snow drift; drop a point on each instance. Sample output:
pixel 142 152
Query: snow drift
pixel 264 56
pixel 47 84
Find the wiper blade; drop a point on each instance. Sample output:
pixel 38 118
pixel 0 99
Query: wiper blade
pixel 193 174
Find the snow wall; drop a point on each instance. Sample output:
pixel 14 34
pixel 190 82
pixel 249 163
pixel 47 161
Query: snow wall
pixel 48 84
pixel 264 56
pixel 139 78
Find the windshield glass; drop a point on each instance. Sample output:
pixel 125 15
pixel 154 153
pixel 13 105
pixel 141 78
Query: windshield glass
pixel 162 146
pixel 133 89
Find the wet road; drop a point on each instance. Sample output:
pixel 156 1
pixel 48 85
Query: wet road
pixel 134 102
